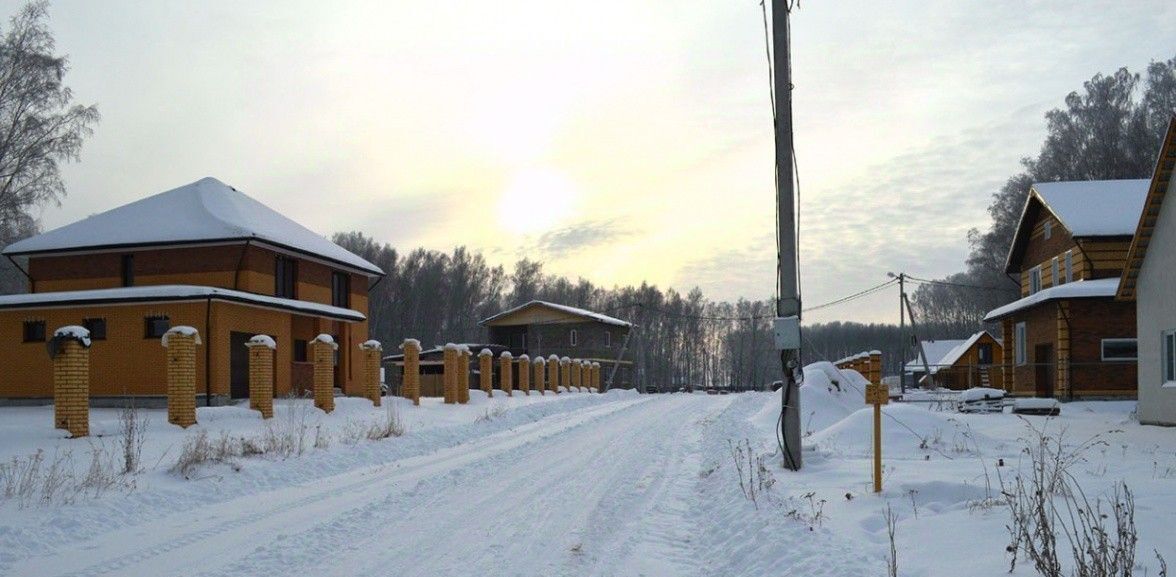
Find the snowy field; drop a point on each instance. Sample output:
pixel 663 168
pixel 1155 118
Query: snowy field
pixel 574 484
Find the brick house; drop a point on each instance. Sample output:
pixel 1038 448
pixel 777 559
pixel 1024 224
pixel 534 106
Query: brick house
pixel 541 328
pixel 1148 281
pixel 1067 336
pixel 203 255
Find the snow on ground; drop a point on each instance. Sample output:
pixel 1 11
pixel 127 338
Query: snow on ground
pixel 579 484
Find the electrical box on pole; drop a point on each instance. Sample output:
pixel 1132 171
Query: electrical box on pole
pixel 787 324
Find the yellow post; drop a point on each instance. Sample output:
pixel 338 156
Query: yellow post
pixel 410 382
pixel 553 374
pixel 463 375
pixel 540 367
pixel 565 373
pixel 449 378
pixel 504 373
pixel 370 355
pixel 261 375
pixel 322 350
pixel 876 367
pixel 576 376
pixel 596 376
pixel 877 395
pixel 486 371
pixel 180 343
pixel 71 380
pixel 525 374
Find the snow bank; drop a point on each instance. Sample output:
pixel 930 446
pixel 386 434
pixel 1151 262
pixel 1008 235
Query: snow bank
pixel 622 393
pixel 906 431
pixel 981 394
pixel 827 396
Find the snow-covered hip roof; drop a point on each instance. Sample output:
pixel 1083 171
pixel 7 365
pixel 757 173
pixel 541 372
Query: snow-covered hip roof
pixel 173 293
pixel 207 210
pixel 1100 288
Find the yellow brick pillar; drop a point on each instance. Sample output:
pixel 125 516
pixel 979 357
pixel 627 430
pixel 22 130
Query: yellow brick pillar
pixel 410 381
pixel 449 378
pixel 322 354
pixel 553 374
pixel 596 376
pixel 70 350
pixel 463 375
pixel 180 343
pixel 540 372
pixel 261 374
pixel 525 374
pixel 370 353
pixel 876 367
pixel 486 372
pixel 1009 348
pixel 1062 384
pixel 578 375
pixel 505 376
pixel 565 373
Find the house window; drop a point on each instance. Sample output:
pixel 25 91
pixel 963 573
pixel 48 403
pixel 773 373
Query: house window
pixel 607 340
pixel 1035 280
pixel 285 277
pixel 97 328
pixel 128 270
pixel 521 340
pixel 341 289
pixel 156 326
pixel 1069 266
pixel 1168 356
pixel 572 337
pixel 34 331
pixel 1119 350
pixel 1021 345
pixel 299 351
pixel 1048 229
pixel 1056 278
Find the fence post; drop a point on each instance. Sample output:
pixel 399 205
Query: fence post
pixel 70 350
pixel 553 374
pixel 540 368
pixel 463 375
pixel 180 343
pixel 504 373
pixel 596 376
pixel 575 372
pixel 322 350
pixel 449 377
pixel 565 373
pixel 371 370
pixel 525 374
pixel 486 372
pixel 261 374
pixel 410 381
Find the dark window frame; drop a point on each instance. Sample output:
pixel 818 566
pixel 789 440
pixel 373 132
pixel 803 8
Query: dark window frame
pixel 285 277
pixel 1102 349
pixel 97 331
pixel 39 327
pixel 149 326
pixel 340 289
pixel 128 270
pixel 301 348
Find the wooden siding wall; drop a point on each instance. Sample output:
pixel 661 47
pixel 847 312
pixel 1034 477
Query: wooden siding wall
pixel 1107 256
pixel 966 371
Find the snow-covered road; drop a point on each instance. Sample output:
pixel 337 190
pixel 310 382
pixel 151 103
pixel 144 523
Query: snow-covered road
pixel 605 490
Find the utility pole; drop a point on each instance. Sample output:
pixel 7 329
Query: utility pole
pixel 787 322
pixel 902 333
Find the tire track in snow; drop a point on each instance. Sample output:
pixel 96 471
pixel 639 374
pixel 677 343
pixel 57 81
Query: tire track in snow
pixel 179 544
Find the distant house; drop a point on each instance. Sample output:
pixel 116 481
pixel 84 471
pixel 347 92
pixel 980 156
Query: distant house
pixel 1068 336
pixel 203 255
pixel 960 364
pixel 540 328
pixel 1149 280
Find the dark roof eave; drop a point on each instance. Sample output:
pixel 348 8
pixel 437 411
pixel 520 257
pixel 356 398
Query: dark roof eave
pixel 358 317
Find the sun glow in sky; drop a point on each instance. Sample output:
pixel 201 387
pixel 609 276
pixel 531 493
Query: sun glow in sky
pixel 618 140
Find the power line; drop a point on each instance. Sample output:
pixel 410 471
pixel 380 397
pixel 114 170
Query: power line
pixel 855 296
pixel 957 284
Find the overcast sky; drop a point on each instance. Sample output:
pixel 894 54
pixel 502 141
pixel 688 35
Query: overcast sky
pixel 618 140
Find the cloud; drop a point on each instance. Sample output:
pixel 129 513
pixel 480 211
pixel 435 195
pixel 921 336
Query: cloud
pixel 584 234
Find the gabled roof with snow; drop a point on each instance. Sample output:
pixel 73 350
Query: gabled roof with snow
pixel 1087 208
pixel 954 355
pixel 172 293
pixel 1100 288
pixel 1162 182
pixel 503 318
pixel 207 210
pixel 935 351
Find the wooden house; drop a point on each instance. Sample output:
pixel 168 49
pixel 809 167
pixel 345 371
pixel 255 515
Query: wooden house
pixel 203 255
pixel 1067 336
pixel 1149 280
pixel 542 329
pixel 961 364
